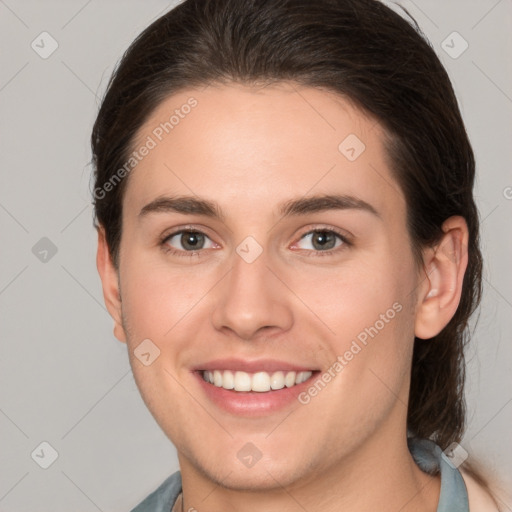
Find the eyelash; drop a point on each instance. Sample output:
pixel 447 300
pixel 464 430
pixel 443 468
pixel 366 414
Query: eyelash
pixel 188 254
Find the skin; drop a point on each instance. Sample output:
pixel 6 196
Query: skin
pixel 249 150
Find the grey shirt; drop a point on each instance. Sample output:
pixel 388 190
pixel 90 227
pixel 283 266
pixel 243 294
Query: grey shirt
pixel 428 456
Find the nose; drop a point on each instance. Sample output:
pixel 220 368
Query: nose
pixel 251 300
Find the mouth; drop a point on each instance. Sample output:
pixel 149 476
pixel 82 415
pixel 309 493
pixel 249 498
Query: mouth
pixel 253 389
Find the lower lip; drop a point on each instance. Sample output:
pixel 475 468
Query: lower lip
pixel 253 403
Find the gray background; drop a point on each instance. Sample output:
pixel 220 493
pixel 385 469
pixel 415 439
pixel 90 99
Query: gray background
pixel 65 379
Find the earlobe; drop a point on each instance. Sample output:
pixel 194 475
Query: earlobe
pixel 441 289
pixel 110 284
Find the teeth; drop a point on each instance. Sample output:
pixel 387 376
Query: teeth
pixel 242 382
pixel 302 377
pixel 259 381
pixel 227 380
pixel 289 380
pixel 217 378
pixel 277 380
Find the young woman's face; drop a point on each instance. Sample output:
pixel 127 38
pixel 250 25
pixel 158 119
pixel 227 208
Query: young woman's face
pixel 267 277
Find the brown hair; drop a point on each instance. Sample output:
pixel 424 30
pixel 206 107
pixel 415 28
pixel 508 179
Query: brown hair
pixel 365 52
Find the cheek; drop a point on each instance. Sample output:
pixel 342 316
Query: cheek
pixel 156 299
pixel 353 296
pixel 368 311
pixel 156 306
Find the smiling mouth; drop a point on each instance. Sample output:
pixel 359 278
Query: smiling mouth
pixel 261 382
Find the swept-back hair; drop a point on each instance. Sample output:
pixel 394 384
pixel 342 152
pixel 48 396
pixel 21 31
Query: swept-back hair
pixel 368 54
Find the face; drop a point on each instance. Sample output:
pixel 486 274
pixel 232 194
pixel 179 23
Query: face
pixel 251 271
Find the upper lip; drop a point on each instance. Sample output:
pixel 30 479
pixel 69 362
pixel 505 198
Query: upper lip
pixel 259 365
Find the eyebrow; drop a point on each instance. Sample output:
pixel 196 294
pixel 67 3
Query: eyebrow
pixel 294 207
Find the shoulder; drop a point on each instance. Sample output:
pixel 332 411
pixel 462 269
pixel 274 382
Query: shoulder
pixel 479 498
pixel 162 499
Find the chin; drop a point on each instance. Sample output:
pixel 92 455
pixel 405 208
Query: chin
pixel 265 474
pixel 255 478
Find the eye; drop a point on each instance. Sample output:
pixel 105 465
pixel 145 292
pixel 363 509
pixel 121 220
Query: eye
pixel 322 240
pixel 186 241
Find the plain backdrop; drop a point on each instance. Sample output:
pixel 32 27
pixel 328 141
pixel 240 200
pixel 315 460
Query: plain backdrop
pixel 65 379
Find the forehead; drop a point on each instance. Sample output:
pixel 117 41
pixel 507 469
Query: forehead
pixel 250 148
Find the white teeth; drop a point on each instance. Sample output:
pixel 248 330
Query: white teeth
pixel 217 378
pixel 228 380
pixel 277 380
pixel 242 381
pixel 259 381
pixel 302 376
pixel 289 380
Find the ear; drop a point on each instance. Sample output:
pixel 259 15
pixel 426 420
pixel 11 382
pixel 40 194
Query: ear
pixel 441 288
pixel 110 283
